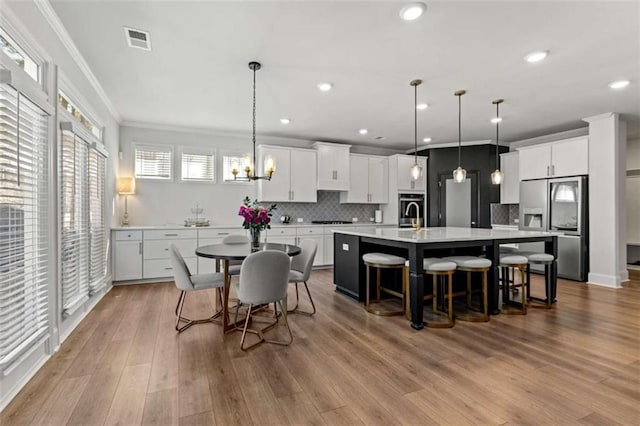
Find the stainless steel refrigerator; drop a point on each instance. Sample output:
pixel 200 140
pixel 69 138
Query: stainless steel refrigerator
pixel 558 205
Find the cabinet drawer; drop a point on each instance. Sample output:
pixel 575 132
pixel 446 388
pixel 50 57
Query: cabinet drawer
pixel 159 249
pixel 170 233
pixel 160 268
pixel 220 232
pixel 279 232
pixel 128 235
pixel 310 230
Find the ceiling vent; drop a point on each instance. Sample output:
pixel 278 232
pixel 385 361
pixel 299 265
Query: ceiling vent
pixel 137 38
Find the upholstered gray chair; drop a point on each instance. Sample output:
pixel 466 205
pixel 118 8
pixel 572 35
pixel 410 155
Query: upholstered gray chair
pixel 234 265
pixel 263 280
pixel 301 269
pixel 188 283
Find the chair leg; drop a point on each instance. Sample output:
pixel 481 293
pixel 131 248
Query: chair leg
pixel 524 296
pixel 245 329
pixel 286 323
pixel 295 308
pixel 189 322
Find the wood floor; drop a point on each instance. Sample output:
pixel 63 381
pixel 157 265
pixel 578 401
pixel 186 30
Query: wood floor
pixel 125 364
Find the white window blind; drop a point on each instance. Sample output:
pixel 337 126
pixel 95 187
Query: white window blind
pixel 153 162
pixel 98 237
pixel 23 224
pixel 74 207
pixel 198 167
pixel 230 162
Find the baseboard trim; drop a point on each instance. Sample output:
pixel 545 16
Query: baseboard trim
pixel 611 281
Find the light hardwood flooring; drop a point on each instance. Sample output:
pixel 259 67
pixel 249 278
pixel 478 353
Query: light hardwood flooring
pixel 576 364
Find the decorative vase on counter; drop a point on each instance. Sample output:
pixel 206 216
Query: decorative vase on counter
pixel 255 237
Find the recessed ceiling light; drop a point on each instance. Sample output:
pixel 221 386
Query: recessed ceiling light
pixel 325 87
pixel 535 56
pixel 619 84
pixel 426 140
pixel 495 120
pixel 422 106
pixel 412 11
pixel 285 121
pixel 363 131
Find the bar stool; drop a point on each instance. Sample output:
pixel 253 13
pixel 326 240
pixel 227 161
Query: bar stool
pixel 513 261
pixel 547 260
pixel 438 269
pixel 383 261
pixel 471 264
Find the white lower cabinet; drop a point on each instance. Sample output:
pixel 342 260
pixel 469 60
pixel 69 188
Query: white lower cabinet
pixel 128 260
pixel 156 256
pixel 328 249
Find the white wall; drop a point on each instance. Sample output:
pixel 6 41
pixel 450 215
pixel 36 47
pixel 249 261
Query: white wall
pixel 27 19
pixel 169 203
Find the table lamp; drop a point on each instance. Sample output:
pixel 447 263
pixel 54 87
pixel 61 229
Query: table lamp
pixel 126 186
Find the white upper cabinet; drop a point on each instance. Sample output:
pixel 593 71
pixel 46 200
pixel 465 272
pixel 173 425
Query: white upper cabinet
pixel 333 166
pixel 368 176
pixel 510 187
pixel 400 165
pixel 294 179
pixel 557 159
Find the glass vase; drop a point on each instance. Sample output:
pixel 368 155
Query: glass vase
pixel 255 238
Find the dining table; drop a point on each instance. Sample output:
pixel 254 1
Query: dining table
pixel 226 253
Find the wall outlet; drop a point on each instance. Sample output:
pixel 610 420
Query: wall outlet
pixel 372 219
pixel 300 219
pixel 354 219
pixel 345 247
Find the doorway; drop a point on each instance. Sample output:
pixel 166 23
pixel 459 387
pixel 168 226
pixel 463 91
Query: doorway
pixel 458 202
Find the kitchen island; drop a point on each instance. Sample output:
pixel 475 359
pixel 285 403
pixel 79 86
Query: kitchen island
pixel 349 246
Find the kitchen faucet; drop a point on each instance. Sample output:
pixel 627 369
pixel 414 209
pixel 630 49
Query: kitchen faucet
pixel 414 222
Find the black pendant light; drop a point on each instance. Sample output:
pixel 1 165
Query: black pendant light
pixel 497 176
pixel 416 169
pixel 459 174
pixel 269 167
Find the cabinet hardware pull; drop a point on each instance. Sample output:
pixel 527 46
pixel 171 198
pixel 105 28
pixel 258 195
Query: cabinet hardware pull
pixel 223 233
pixel 170 235
pixel 166 249
pixel 553 169
pixel 168 269
pixel 139 248
pixel 547 170
pixel 293 196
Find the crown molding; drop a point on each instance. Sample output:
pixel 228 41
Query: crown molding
pixel 575 133
pixel 454 144
pixel 58 27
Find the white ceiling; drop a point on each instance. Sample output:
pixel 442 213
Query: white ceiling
pixel 197 76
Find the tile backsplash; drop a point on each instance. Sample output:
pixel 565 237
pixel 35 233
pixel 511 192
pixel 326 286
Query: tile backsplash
pixel 505 214
pixel 327 207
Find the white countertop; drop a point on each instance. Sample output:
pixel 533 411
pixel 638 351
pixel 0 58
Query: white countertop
pixel 444 234
pixel 239 226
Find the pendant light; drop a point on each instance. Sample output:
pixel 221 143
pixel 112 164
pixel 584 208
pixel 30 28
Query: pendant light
pixel 269 166
pixel 497 176
pixel 459 174
pixel 416 169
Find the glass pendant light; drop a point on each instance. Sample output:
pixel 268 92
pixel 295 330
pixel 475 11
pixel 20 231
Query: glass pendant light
pixel 416 169
pixel 497 176
pixel 459 174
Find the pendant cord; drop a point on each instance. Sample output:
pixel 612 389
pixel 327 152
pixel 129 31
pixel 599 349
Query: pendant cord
pixel 254 122
pixel 497 132
pixel 415 123
pixel 459 127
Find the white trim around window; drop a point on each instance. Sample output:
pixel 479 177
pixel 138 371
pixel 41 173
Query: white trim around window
pixel 153 162
pixel 197 165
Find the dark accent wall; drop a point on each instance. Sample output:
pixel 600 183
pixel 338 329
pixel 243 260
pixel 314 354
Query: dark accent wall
pixel 476 157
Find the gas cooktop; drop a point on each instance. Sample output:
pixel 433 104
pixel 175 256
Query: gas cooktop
pixel 330 222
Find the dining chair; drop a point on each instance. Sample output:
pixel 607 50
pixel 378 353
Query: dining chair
pixel 234 265
pixel 188 283
pixel 301 270
pixel 263 280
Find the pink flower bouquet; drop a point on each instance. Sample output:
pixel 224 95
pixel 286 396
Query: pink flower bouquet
pixel 255 216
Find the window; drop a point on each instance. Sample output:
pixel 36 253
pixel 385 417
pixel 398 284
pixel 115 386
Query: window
pixel 98 248
pixel 66 104
pixel 153 162
pixel 198 167
pixel 24 215
pixel 234 162
pixel 24 61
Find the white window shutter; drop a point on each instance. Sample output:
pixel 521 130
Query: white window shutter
pixel 23 225
pixel 98 238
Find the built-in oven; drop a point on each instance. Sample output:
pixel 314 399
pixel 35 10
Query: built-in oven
pixel 404 217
